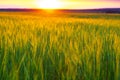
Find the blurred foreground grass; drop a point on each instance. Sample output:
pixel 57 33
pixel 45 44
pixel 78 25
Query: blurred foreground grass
pixel 59 46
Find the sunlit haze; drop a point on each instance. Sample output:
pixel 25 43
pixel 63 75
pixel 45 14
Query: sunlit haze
pixel 60 4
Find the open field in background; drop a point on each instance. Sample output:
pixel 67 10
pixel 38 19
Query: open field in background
pixel 67 46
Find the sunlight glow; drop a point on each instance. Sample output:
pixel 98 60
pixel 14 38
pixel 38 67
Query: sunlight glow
pixel 49 4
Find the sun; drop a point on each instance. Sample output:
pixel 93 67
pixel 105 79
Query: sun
pixel 49 4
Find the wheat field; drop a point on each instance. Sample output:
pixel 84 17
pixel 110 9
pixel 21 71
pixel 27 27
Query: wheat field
pixel 65 46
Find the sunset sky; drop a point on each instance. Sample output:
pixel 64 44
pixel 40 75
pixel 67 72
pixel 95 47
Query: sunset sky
pixel 63 4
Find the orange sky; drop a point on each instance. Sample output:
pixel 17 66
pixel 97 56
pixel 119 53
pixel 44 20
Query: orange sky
pixel 64 4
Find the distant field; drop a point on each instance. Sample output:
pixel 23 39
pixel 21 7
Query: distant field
pixel 61 46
